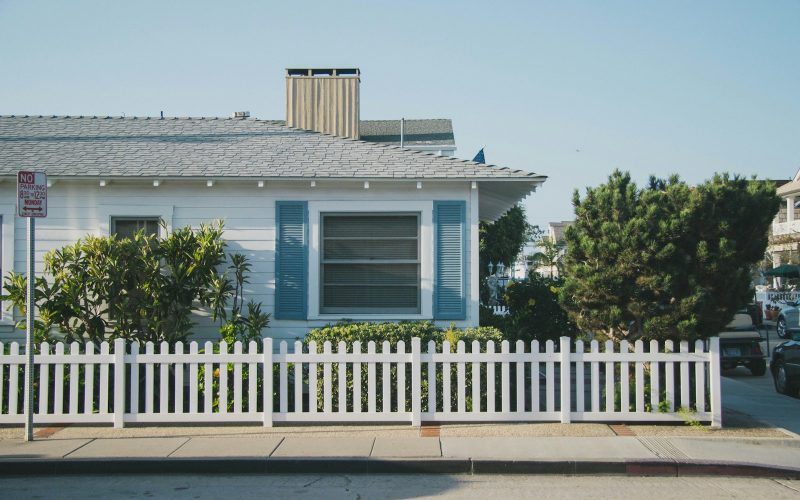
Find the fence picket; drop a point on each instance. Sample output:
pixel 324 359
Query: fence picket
pixel 178 387
pixel 104 350
pixel 700 378
pixel 550 393
pixel 44 379
pixel 505 379
pixel 386 380
pixel 401 378
pixel 431 378
pixel 237 380
pixel 624 380
pixel 252 379
pixel 536 377
pixel 283 377
pixel 163 378
pixel 312 379
pixel 639 374
pixel 357 377
pixel 669 375
pixel 88 381
pixel 371 383
pixel 595 348
pixel 461 375
pixel 268 392
pixel 134 378
pixel 208 374
pixel 341 395
pixel 519 401
pixel 222 406
pixel 490 380
pixel 149 381
pixel 610 376
pixel 327 403
pixel 579 380
pixel 655 380
pixel 74 379
pixel 685 399
pixel 193 387
pixel 447 393
pixel 476 378
pixel 298 380
pixel 58 389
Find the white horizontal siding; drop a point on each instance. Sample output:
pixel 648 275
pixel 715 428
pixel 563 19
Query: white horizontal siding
pixel 78 208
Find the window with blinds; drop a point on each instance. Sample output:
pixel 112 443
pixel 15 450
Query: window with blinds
pixel 370 264
pixel 126 227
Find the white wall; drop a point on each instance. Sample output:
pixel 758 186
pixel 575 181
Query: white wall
pixel 77 208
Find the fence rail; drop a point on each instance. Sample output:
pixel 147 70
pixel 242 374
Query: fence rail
pixel 563 382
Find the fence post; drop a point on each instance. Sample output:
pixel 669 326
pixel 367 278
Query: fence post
pixel 268 385
pixel 416 382
pixel 120 387
pixel 715 382
pixel 566 391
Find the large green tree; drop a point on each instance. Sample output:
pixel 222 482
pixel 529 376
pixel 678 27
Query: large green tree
pixel 503 240
pixel 665 261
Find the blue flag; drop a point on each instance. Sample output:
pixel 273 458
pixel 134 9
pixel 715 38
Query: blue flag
pixel 479 158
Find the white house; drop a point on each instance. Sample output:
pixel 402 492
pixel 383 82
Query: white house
pixel 335 227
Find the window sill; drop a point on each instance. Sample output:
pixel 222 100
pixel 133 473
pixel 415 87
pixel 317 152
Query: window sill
pixel 361 316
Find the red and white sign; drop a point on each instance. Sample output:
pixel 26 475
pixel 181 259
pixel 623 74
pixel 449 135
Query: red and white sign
pixel 32 194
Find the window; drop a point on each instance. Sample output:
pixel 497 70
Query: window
pixel 370 263
pixel 127 227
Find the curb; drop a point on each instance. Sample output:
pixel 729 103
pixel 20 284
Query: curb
pixel 264 465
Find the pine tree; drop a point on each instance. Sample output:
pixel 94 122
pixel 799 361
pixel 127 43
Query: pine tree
pixel 666 261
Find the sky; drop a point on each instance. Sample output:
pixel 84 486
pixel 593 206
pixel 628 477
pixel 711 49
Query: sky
pixel 571 90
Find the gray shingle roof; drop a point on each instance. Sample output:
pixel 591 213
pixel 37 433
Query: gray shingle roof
pixel 214 147
pixel 431 132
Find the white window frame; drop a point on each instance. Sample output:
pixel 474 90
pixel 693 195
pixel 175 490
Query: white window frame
pixel 416 215
pixel 425 210
pixel 8 214
pixel 116 219
pixel 108 212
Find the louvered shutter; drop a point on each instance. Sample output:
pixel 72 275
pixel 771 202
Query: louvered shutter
pixel 449 283
pixel 291 259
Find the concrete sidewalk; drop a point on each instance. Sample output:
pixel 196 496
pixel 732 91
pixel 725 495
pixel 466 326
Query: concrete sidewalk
pixel 456 449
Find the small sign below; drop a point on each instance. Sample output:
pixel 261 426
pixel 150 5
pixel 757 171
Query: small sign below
pixel 32 194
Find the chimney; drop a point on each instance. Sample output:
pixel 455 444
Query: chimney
pixel 324 100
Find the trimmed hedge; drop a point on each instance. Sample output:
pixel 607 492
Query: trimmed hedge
pixel 365 332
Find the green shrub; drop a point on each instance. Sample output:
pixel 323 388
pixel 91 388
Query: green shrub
pixel 534 311
pixel 349 332
pixel 141 288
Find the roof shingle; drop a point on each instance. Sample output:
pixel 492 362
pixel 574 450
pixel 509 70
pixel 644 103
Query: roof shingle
pixel 212 147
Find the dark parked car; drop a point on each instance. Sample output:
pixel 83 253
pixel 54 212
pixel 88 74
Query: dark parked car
pixel 785 365
pixel 741 345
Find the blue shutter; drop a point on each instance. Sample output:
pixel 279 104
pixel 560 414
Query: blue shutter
pixel 449 281
pixel 291 259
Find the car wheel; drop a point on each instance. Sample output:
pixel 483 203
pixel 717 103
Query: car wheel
pixel 781 378
pixel 780 328
pixel 758 368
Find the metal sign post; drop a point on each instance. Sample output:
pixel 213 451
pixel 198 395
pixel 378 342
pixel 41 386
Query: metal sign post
pixel 31 203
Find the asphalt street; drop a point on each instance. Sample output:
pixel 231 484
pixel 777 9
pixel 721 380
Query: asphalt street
pixel 756 396
pixel 332 487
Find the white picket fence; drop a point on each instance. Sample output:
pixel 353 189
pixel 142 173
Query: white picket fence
pixel 566 384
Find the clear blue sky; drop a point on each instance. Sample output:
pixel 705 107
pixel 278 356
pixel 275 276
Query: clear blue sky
pixel 571 90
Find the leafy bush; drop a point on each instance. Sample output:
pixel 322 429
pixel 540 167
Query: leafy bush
pixel 534 311
pixel 141 288
pixel 393 332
